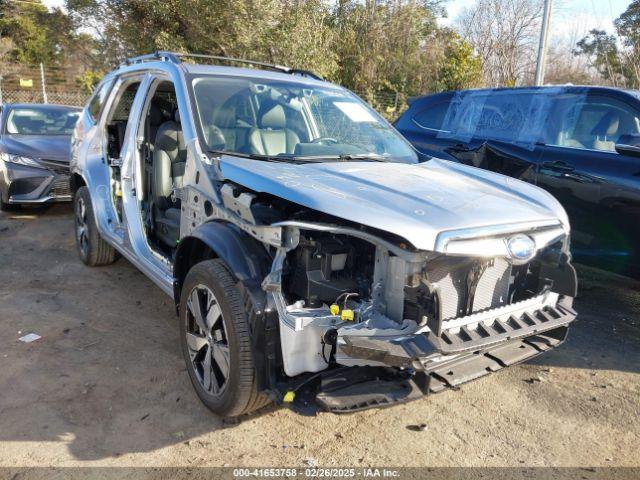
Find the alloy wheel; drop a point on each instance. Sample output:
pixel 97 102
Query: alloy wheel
pixel 82 231
pixel 207 340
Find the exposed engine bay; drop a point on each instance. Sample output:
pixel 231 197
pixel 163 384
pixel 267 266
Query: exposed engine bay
pixel 342 293
pixel 351 296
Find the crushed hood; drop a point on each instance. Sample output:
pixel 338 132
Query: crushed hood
pixel 416 202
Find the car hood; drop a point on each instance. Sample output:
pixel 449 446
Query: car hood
pixel 416 202
pixel 46 147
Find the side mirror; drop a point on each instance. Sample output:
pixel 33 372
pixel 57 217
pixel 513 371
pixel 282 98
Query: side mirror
pixel 629 144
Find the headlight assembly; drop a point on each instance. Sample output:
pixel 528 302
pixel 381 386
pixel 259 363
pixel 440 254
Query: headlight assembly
pixel 20 160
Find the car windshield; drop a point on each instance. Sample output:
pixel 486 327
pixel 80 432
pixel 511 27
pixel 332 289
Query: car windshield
pixel 293 121
pixel 41 121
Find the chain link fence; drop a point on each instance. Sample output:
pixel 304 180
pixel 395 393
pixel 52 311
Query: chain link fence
pixel 41 84
pixel 76 98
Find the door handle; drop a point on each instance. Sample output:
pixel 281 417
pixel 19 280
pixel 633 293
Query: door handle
pixel 558 166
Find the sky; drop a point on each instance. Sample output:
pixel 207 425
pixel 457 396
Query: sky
pixel 571 20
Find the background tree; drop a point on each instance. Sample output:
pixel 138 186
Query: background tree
pixel 504 33
pixel 615 57
pixel 601 49
pixel 628 29
pixel 457 66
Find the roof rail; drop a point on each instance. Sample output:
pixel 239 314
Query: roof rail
pixel 176 57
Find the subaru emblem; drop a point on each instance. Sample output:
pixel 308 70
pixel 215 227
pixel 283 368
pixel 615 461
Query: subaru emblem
pixel 522 248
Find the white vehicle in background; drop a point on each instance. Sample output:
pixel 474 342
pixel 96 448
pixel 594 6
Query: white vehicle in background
pixel 312 259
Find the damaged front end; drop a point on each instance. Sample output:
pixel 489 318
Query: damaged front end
pixel 382 291
pixel 367 320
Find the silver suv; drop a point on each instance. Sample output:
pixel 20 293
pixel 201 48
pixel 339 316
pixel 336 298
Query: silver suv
pixel 314 260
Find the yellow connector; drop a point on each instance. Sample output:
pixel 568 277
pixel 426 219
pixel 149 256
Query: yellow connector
pixel 334 309
pixel 347 315
pixel 289 397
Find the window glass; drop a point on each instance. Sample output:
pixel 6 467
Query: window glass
pixel 594 123
pixel 97 101
pixel 125 102
pixel 432 116
pixel 42 121
pixel 119 117
pixel 508 115
pixel 292 119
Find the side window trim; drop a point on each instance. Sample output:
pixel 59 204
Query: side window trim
pixel 115 93
pixel 106 84
pixel 430 106
pixel 116 90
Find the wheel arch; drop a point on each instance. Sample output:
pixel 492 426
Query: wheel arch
pixel 247 259
pixel 76 181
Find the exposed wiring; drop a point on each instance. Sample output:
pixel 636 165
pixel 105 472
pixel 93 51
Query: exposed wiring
pixel 346 296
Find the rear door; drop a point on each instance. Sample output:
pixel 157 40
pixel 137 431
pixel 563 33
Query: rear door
pixel 597 186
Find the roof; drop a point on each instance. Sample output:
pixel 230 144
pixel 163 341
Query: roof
pixel 196 69
pixel 168 61
pixel 565 87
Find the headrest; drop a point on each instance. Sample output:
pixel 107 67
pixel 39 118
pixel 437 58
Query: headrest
pixel 608 125
pixel 215 138
pixel 169 137
pixel 224 118
pixel 272 116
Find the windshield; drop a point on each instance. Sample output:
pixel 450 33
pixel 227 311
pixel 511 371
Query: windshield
pixel 279 120
pixel 41 121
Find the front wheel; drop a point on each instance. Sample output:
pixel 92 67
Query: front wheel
pixel 93 250
pixel 216 340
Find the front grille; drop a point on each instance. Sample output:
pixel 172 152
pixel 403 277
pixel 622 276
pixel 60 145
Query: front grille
pixel 61 187
pixel 450 275
pixel 56 166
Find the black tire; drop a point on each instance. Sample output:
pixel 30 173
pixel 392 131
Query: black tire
pixel 237 393
pixel 93 250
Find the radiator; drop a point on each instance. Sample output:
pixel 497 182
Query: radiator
pixel 450 275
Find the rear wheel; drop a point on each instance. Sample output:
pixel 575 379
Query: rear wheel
pixel 93 250
pixel 216 340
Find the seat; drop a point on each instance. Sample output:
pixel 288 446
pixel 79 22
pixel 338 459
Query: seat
pixel 225 121
pixel 169 160
pixel 606 132
pixel 157 116
pixel 272 136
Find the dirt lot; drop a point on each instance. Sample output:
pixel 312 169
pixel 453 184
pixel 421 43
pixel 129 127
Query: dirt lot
pixel 106 384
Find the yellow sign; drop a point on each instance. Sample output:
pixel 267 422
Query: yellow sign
pixel 26 82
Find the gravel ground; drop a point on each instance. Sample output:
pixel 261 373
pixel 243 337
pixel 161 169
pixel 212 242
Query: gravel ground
pixel 106 384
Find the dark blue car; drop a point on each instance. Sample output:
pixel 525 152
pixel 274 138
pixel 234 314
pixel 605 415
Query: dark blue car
pixel 35 153
pixel 581 144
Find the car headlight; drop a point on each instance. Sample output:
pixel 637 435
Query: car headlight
pixel 20 160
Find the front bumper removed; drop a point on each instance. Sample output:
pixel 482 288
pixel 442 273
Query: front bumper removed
pixel 420 350
pixel 426 363
pixel 351 389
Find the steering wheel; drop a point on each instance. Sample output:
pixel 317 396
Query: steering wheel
pixel 324 140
